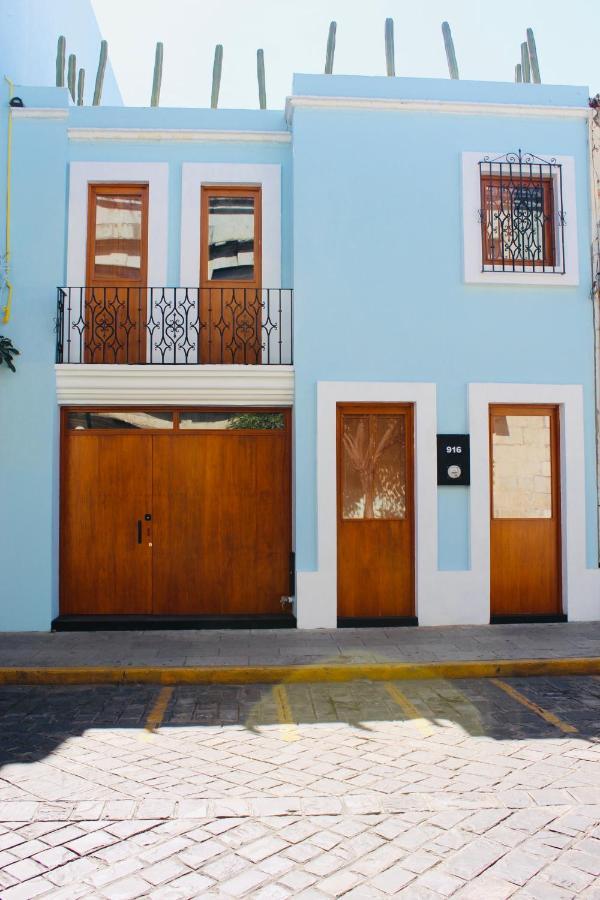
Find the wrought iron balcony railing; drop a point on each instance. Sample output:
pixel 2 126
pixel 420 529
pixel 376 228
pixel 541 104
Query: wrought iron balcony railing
pixel 174 325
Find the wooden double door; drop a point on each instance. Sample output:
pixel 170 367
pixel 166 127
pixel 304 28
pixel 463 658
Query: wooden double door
pixel 173 513
pixel 525 534
pixel 375 512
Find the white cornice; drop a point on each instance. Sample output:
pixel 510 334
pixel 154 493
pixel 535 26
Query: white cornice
pixel 78 385
pixel 441 106
pixel 177 134
pixel 35 112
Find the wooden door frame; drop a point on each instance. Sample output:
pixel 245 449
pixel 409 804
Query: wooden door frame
pixel 120 188
pixel 123 189
pixel 366 407
pixel 553 410
pixel 231 190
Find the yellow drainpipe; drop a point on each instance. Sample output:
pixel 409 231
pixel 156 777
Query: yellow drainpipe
pixel 7 308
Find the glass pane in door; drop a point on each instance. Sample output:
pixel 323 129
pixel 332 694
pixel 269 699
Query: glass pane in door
pixel 118 237
pixel 373 466
pixel 522 469
pixel 231 238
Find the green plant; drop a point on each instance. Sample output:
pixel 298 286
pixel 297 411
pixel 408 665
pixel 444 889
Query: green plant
pixel 7 352
pixel 266 421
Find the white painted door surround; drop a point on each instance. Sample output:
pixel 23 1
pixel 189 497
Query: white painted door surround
pixel 450 597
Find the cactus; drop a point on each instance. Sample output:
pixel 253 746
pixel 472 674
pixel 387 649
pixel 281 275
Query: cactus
pixel 157 77
pixel 330 48
pixel 525 62
pixel 100 73
pixel 389 47
pixel 533 57
pixel 519 73
pixel 71 75
pixel 80 86
pixel 450 54
pixel 60 61
pixel 260 72
pixel 216 79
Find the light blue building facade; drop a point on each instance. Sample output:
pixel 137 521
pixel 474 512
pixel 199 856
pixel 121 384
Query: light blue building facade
pixel 383 204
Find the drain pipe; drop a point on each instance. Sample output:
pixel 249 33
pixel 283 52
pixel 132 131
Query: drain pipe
pixel 594 159
pixel 8 306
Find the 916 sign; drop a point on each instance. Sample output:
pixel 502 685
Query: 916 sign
pixel 453 459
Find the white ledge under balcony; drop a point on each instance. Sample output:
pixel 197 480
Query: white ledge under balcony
pixel 174 326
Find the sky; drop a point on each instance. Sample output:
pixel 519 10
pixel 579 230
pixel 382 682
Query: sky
pixel 293 34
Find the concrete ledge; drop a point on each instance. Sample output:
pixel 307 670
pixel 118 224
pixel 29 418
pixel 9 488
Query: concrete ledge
pixel 507 668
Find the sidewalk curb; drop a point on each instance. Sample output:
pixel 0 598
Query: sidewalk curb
pixel 393 671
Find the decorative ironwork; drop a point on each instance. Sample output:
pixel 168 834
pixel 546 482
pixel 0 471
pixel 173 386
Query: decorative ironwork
pixel 522 216
pixel 174 325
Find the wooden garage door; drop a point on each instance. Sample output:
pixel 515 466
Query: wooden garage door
pixel 178 513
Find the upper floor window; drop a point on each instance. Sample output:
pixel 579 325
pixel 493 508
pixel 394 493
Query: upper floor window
pixel 117 233
pixel 521 214
pixel 231 225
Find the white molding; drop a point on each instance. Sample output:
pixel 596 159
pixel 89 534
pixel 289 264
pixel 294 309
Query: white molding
pixel 268 176
pixel 84 173
pixel 581 586
pixel 177 134
pixel 472 249
pixel 86 384
pixel 443 106
pixel 35 112
pixel 316 602
pixel 193 176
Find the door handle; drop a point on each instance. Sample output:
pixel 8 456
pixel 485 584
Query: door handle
pixel 139 531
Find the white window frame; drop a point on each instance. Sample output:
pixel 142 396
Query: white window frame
pixel 472 241
pixel 155 175
pixel 193 177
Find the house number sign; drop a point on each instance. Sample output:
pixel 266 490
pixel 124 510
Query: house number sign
pixel 453 459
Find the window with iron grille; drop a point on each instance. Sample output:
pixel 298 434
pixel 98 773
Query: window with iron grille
pixel 522 217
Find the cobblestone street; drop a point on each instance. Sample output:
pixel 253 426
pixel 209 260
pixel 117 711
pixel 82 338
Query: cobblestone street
pixel 484 789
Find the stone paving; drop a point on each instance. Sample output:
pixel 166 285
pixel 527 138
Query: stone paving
pixel 292 647
pixel 357 790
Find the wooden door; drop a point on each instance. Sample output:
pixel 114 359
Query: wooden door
pixel 222 514
pixel 117 272
pixel 375 511
pixel 106 553
pixel 231 313
pixel 525 558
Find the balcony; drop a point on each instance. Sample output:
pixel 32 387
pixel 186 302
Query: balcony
pixel 174 326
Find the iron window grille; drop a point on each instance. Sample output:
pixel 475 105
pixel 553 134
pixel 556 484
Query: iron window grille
pixel 522 215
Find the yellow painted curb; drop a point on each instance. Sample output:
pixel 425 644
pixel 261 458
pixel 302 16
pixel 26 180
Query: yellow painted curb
pixel 393 671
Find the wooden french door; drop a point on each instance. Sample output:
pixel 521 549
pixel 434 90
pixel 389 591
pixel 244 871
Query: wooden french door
pixel 231 313
pixel 175 512
pixel 525 539
pixel 117 274
pixel 375 511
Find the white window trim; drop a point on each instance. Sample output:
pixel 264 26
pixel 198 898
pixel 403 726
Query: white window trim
pixel 472 244
pixel 156 175
pixel 581 586
pixel 193 176
pixel 450 597
pixel 316 600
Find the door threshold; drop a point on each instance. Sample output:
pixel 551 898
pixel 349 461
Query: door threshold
pixel 376 621
pixel 516 620
pixel 166 623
